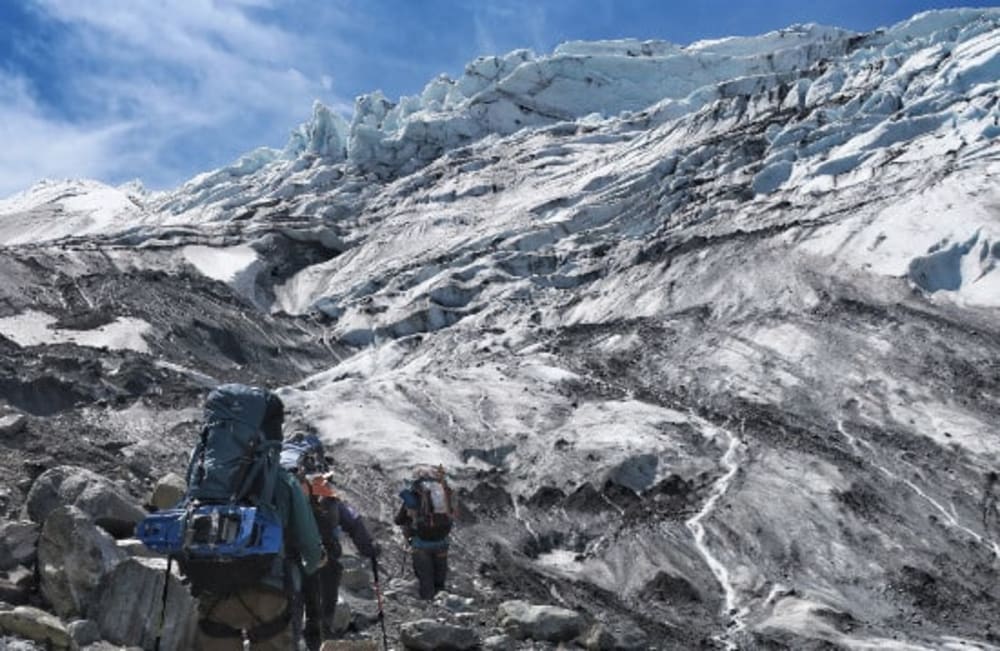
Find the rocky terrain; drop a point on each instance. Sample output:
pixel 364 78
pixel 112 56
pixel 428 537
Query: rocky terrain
pixel 705 336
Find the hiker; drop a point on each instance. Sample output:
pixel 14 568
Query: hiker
pixel 244 534
pixel 425 518
pixel 262 611
pixel 304 456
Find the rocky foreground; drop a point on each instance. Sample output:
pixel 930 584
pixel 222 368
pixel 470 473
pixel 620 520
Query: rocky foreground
pixel 71 577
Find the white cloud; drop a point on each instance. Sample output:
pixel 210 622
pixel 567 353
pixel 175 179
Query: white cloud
pixel 36 146
pixel 156 76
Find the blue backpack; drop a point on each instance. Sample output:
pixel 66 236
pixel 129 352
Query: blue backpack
pixel 226 533
pixel 430 505
pixel 304 454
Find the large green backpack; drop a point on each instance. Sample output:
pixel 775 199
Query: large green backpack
pixel 227 534
pixel 235 461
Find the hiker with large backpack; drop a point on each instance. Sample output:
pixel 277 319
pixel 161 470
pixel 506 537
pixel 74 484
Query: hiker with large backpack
pixel 304 457
pixel 426 518
pixel 243 535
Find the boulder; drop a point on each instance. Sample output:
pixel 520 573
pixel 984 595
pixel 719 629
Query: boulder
pixel 73 556
pixel 129 604
pixel 363 612
pixel 357 576
pixel 15 644
pixel 549 623
pixel 16 585
pixel 35 625
pixel 430 635
pixel 598 638
pixel 342 616
pixel 135 547
pixel 12 424
pixel 84 632
pixel 499 643
pixel 109 506
pixel 168 492
pixel 18 541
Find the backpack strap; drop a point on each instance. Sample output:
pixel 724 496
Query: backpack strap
pixel 196 465
pixel 261 461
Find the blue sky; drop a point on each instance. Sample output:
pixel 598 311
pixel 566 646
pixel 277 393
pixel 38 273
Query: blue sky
pixel 161 90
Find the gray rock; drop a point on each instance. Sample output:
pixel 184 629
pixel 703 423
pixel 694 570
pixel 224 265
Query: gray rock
pixel 129 605
pixel 364 612
pixel 134 547
pixel 398 586
pixel 74 555
pixel 84 632
pixel 550 623
pixel 107 646
pixel 431 635
pixel 12 424
pixel 455 603
pixel 620 636
pixel 468 619
pixel 36 625
pixel 6 497
pixel 16 584
pixel 598 638
pixel 18 541
pixel 630 641
pixel 349 645
pixel 168 491
pixel 357 576
pixel 14 644
pixel 499 643
pixel 97 496
pixel 342 616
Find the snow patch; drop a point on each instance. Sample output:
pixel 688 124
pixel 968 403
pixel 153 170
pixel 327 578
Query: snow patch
pixel 221 263
pixel 34 328
pixel 938 239
pixel 52 210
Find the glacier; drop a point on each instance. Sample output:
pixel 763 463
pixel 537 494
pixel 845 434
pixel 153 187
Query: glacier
pixel 705 334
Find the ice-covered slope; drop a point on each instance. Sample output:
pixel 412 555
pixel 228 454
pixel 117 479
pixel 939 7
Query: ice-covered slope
pixel 708 340
pixel 52 210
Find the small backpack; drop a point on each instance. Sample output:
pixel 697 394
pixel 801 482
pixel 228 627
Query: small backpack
pixel 303 454
pixel 431 508
pixel 225 533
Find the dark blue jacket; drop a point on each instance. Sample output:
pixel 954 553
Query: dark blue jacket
pixel 333 516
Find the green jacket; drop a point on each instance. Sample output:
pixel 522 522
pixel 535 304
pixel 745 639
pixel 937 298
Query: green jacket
pixel 303 543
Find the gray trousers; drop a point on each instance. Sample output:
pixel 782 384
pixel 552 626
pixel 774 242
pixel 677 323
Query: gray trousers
pixel 431 568
pixel 319 601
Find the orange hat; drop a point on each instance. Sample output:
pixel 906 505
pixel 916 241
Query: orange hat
pixel 318 486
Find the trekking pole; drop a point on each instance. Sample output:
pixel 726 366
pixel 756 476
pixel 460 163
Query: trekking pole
pixel 163 608
pixel 378 596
